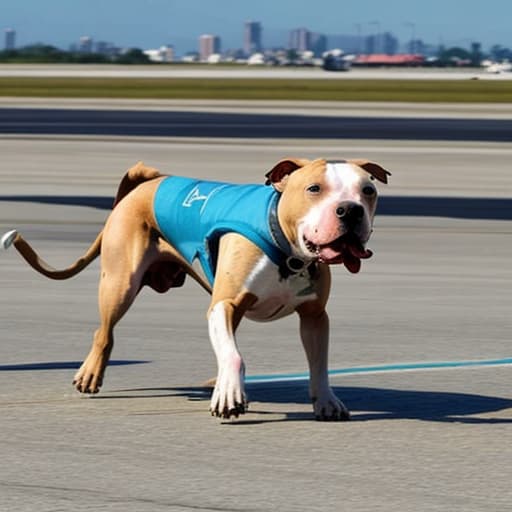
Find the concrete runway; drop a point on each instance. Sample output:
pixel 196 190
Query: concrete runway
pixel 437 290
pixel 202 71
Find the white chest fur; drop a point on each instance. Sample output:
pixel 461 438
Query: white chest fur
pixel 277 297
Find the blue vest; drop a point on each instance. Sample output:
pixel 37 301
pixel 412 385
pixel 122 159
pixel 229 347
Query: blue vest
pixel 192 215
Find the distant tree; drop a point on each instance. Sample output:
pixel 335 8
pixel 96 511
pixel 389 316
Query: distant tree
pixel 44 54
pixel 8 55
pixel 41 53
pixel 88 58
pixel 133 56
pixel 455 56
pixel 500 53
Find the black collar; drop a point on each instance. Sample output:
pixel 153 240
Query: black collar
pixel 290 264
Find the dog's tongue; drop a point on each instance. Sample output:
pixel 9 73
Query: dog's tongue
pixel 347 250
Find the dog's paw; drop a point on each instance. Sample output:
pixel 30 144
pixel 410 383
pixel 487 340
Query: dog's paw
pixel 227 407
pixel 227 412
pixel 89 378
pixel 329 408
pixel 228 398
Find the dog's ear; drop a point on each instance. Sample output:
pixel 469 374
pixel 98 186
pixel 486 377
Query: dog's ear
pixel 279 173
pixel 375 170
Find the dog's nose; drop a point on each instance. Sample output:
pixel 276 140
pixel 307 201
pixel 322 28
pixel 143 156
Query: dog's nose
pixel 350 212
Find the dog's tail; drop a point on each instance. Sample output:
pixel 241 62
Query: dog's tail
pixel 34 260
pixel 138 174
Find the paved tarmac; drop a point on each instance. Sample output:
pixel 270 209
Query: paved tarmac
pixel 266 72
pixel 375 109
pixel 438 289
pixel 210 125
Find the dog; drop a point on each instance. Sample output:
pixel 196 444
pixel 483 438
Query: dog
pixel 262 251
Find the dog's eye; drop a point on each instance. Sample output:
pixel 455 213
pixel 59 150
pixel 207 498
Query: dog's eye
pixel 368 190
pixel 314 189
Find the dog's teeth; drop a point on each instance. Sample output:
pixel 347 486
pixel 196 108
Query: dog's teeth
pixel 311 247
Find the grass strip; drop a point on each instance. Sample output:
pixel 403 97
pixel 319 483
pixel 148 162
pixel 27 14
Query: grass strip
pixel 453 91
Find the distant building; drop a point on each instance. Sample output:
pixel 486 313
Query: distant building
pixel 162 54
pixel 208 45
pixel 415 46
pixel 300 40
pixel 357 44
pixel 85 44
pixel 190 57
pixel 390 44
pixel 10 39
pixel 318 44
pixel 252 37
pixel 382 59
pixel 102 47
pixel 256 59
pixel 167 53
pixel 381 43
pixel 234 55
pixel 107 49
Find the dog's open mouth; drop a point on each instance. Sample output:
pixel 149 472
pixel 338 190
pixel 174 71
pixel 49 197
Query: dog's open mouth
pixel 347 249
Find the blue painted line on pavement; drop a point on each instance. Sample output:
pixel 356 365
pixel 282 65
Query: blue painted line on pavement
pixel 396 367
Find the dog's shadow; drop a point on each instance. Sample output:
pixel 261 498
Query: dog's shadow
pixel 364 403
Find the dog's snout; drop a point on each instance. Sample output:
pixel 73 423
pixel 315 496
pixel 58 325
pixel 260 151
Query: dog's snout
pixel 350 212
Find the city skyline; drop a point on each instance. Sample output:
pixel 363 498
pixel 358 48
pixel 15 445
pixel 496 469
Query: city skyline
pixel 153 23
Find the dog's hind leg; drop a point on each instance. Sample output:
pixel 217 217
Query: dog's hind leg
pixel 127 251
pixel 116 294
pixel 117 291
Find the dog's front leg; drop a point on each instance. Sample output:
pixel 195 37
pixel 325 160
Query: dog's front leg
pixel 228 397
pixel 314 330
pixel 230 301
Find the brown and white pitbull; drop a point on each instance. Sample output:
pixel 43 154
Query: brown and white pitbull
pixel 324 215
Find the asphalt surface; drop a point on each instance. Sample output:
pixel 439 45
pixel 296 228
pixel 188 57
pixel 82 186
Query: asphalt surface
pixel 417 206
pixel 438 289
pixel 493 111
pixel 222 125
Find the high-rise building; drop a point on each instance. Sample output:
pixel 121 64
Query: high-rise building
pixel 10 39
pixel 318 44
pixel 252 37
pixel 105 48
pixel 208 45
pixel 382 43
pixel 300 40
pixel 390 43
pixel 416 46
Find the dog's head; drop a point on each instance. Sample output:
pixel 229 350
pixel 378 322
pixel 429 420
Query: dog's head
pixel 326 208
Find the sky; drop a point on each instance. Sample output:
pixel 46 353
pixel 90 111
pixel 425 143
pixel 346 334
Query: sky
pixel 153 23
